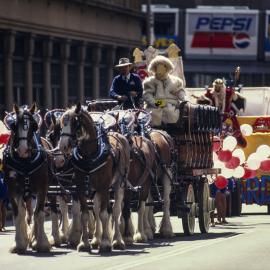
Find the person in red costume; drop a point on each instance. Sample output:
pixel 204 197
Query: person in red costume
pixel 225 98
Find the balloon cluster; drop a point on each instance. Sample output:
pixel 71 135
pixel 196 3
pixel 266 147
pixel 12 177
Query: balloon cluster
pixel 233 162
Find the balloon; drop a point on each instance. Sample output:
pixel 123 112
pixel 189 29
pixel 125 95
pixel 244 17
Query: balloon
pixel 263 151
pixel 265 165
pixel 4 138
pixel 229 143
pixel 254 164
pixel 254 156
pixel 239 172
pixel 246 129
pixel 224 155
pixel 249 173
pixel 216 143
pixel 219 164
pixel 221 182
pixel 227 172
pixel 240 154
pixel 233 163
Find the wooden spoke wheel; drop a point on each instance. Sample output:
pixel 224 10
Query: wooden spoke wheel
pixel 188 218
pixel 204 208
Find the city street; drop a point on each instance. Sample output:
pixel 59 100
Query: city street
pixel 242 244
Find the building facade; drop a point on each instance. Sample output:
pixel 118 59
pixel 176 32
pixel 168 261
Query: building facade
pixel 202 68
pixel 57 52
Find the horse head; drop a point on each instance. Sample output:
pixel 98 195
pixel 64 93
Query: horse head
pixel 53 124
pixel 23 123
pixel 77 126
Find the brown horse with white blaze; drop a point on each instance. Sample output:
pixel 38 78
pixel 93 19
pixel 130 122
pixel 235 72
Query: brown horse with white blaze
pixel 101 161
pixel 26 173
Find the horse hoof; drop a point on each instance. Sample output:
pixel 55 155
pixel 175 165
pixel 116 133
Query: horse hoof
pixel 43 249
pixel 63 238
pixel 95 243
pixel 167 234
pixel 55 242
pixel 128 241
pixel 83 248
pixel 34 245
pixel 118 245
pixel 105 249
pixel 140 238
pixel 17 250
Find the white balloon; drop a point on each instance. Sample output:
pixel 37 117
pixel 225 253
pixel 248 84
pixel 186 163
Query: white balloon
pixel 263 151
pixel 215 156
pixel 229 143
pixel 219 164
pixel 246 129
pixel 240 154
pixel 254 164
pixel 227 172
pixel 239 172
pixel 255 156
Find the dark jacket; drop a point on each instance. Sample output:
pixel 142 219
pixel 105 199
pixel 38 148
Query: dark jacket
pixel 122 87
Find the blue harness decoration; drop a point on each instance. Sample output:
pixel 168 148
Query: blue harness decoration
pixel 24 167
pixel 91 165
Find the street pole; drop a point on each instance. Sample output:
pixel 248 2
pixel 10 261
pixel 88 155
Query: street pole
pixel 149 24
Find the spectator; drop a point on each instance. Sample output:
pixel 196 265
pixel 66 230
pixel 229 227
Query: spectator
pixel 3 200
pixel 220 202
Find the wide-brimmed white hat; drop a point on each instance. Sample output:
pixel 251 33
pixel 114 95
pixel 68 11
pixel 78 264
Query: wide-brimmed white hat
pixel 159 59
pixel 123 62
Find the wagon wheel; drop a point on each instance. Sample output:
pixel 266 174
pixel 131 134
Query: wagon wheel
pixel 204 209
pixel 188 218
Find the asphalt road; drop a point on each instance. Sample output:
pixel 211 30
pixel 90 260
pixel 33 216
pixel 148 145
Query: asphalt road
pixel 242 244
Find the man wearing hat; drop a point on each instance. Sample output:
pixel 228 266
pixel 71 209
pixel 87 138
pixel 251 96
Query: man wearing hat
pixel 127 86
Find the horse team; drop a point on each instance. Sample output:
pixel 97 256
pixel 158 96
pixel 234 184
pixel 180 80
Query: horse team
pixel 98 157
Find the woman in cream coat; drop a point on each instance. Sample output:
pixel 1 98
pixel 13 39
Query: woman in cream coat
pixel 163 92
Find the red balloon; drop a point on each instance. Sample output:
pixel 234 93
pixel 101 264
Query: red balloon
pixel 233 163
pixel 265 165
pixel 216 143
pixel 224 155
pixel 249 173
pixel 4 138
pixel 221 182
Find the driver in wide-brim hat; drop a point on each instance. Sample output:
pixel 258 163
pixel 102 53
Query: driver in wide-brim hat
pixel 126 87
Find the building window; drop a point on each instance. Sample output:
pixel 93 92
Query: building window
pixel 88 82
pixel 56 55
pixel 56 82
pixel 18 81
pixel 103 82
pixel 72 83
pixel 38 53
pixel 38 83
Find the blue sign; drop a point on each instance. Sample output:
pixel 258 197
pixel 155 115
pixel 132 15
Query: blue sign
pixel 256 190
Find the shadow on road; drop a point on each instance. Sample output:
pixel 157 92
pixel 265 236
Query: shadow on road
pixel 53 253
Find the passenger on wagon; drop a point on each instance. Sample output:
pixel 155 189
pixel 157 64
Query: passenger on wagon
pixel 223 97
pixel 126 88
pixel 163 92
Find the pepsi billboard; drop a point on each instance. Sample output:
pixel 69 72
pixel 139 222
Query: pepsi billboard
pixel 267 36
pixel 221 34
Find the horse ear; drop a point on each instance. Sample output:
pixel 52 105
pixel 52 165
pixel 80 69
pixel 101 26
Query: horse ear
pixel 78 108
pixel 53 119
pixel 33 108
pixel 116 116
pixel 16 108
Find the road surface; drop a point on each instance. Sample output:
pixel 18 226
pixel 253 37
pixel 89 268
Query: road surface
pixel 242 244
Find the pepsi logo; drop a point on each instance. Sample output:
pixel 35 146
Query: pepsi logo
pixel 241 40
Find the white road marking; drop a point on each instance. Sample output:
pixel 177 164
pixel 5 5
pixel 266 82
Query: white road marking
pixel 172 253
